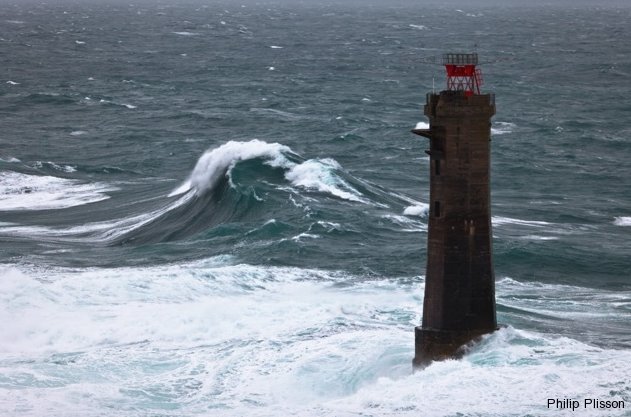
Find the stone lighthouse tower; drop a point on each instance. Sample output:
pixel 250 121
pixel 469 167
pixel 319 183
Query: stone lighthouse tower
pixel 459 303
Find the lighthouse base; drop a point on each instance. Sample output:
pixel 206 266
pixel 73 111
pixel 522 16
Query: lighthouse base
pixel 436 345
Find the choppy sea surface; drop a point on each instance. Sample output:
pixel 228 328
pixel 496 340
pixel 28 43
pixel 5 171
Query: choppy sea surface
pixel 218 209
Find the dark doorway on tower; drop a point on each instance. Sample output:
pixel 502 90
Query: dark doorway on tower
pixel 436 208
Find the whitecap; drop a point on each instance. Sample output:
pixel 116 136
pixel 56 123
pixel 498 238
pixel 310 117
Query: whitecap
pixel 419 27
pixel 319 174
pixel 33 192
pixel 304 235
pixel 499 220
pixel 104 101
pixel 78 132
pixel 313 174
pixel 622 221
pixel 10 159
pixel 418 209
pixel 538 237
pixel 215 163
pixel 186 33
pixel 12 83
pixel 502 128
pixel 330 226
pixel 64 168
pixel 276 47
pixel 79 42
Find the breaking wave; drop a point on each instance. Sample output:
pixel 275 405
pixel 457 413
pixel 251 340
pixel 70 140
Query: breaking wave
pixel 314 174
pixel 234 182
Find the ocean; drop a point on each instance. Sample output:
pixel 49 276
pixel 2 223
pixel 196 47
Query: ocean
pixel 218 209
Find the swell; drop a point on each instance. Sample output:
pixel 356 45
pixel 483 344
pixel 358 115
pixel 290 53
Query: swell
pixel 249 182
pixel 244 184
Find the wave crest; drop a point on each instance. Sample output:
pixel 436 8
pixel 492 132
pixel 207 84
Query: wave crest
pixel 312 174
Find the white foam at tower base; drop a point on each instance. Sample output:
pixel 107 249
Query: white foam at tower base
pixel 259 341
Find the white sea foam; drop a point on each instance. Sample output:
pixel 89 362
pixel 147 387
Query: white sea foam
pixel 78 133
pixel 297 238
pixel 502 128
pixel 622 221
pixel 12 82
pixel 64 168
pixel 103 101
pixel 330 225
pixel 319 174
pixel 499 220
pixel 10 159
pixel 419 27
pixel 418 209
pixel 260 341
pixel 79 42
pixel 276 47
pixel 512 373
pixel 186 33
pixel 34 192
pixel 422 125
pixel 105 302
pixel 537 237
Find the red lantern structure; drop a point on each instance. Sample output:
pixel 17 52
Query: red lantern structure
pixel 462 74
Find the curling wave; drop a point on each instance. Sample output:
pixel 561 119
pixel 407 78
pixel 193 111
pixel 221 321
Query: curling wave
pixel 312 174
pixel 238 183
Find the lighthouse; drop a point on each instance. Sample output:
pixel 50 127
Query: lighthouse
pixel 459 302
